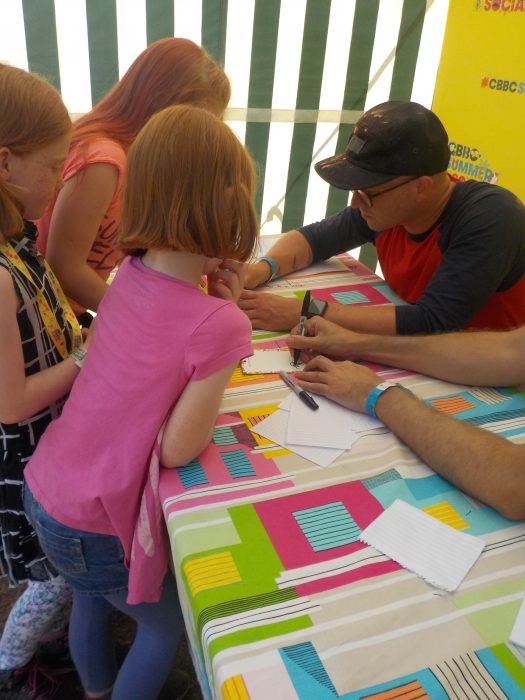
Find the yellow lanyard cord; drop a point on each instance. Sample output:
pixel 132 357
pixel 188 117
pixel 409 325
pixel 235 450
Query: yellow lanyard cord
pixel 49 318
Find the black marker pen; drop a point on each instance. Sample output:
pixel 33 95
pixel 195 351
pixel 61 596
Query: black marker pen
pixel 301 393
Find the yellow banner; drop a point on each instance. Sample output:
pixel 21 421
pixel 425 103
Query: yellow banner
pixel 480 91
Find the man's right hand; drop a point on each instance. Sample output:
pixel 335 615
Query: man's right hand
pixel 322 337
pixel 270 312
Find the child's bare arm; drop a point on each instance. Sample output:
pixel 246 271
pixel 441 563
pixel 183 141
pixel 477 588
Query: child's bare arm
pixel 21 396
pixel 190 425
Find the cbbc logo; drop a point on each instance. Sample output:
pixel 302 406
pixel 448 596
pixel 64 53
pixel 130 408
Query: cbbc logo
pixel 467 163
pixel 461 151
pixel 501 85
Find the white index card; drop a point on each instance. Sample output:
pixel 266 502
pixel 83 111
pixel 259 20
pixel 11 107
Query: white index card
pixel 419 542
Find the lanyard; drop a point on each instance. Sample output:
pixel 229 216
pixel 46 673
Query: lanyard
pixel 49 318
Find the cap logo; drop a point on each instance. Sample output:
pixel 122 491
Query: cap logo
pixel 355 144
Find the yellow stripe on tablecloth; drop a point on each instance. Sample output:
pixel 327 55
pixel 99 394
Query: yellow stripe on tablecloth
pixel 211 572
pixel 447 514
pixel 234 689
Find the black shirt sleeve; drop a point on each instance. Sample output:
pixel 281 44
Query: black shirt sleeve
pixel 336 234
pixel 483 246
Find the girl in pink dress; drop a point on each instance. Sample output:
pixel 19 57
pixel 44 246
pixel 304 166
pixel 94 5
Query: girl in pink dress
pixel 161 355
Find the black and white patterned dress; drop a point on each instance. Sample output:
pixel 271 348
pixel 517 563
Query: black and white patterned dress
pixel 21 558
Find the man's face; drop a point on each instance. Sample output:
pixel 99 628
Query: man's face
pixel 386 205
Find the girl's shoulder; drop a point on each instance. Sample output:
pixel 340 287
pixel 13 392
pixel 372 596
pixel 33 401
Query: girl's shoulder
pixel 5 270
pixel 99 150
pixel 225 318
pixel 105 146
pixel 6 266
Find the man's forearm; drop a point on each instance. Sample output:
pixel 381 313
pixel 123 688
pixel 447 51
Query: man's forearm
pixel 291 252
pixel 363 319
pixel 489 358
pixel 479 463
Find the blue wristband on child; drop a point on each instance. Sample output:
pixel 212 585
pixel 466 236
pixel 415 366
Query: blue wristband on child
pixel 371 401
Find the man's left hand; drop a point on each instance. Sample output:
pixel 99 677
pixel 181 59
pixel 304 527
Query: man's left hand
pixel 345 383
pixel 270 312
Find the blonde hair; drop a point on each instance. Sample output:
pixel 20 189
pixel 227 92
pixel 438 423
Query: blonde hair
pixel 32 115
pixel 189 187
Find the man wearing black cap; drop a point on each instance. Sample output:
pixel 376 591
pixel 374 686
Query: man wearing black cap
pixel 454 251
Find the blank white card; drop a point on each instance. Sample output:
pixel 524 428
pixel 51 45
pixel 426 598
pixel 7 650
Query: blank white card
pixel 437 552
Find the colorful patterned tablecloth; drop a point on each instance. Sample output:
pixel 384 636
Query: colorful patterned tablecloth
pixel 281 599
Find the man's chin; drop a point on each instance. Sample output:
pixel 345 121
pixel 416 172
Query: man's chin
pixel 370 223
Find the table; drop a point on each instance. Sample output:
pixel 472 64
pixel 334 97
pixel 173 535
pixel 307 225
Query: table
pixel 272 611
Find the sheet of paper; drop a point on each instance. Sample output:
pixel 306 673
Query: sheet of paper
pixel 437 552
pixel 333 264
pixel 266 242
pixel 517 636
pixel 274 428
pixel 269 362
pixel 331 425
pixel 286 404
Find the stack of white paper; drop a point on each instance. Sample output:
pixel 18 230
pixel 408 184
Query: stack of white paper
pixel 331 425
pixel 320 436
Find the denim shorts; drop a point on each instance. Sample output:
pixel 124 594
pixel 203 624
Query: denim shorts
pixel 92 564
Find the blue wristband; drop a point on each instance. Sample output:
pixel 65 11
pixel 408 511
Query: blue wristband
pixel 371 401
pixel 273 266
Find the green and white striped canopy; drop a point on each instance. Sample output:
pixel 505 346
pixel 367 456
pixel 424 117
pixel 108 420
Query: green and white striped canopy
pixel 302 71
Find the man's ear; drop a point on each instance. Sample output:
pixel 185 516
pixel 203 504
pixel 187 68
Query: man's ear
pixel 425 184
pixel 5 156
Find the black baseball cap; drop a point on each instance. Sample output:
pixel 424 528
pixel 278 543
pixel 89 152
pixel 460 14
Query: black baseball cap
pixel 391 139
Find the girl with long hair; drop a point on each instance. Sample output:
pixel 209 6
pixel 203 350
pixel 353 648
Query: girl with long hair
pixel 79 231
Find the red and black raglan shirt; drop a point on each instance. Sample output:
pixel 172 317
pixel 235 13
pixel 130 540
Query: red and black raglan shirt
pixel 467 271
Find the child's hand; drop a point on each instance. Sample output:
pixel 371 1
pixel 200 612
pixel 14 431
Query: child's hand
pixel 227 281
